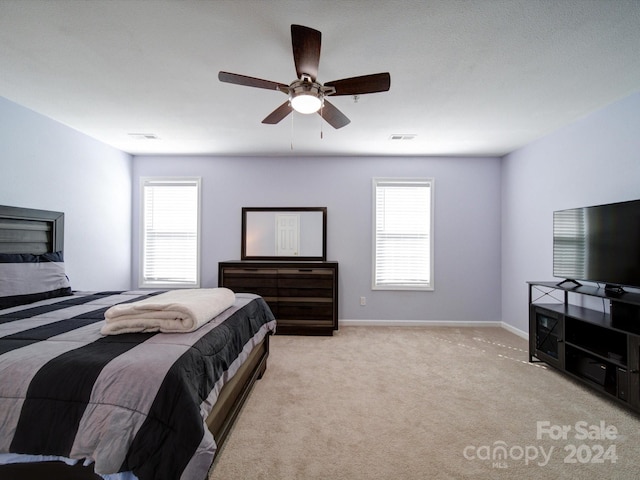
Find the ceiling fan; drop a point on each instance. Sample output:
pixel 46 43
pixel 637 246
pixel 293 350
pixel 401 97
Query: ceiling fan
pixel 306 94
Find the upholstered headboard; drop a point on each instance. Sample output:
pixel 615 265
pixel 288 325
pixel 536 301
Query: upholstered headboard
pixel 27 230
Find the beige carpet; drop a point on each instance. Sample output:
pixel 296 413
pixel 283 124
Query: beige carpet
pixel 422 403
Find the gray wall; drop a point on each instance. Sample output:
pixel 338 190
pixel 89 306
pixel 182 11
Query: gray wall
pixel 467 223
pixel 593 161
pixel 46 165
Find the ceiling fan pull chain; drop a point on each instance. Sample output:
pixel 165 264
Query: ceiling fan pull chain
pixel 321 122
pixel 292 131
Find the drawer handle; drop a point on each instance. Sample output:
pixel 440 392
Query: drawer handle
pixel 305 269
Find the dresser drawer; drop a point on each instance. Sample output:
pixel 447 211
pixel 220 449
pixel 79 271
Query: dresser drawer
pixel 297 309
pixel 298 291
pixel 305 274
pixel 261 281
pixel 251 272
pixel 306 283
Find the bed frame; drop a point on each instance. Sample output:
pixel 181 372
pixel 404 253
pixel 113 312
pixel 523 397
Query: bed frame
pixel 25 230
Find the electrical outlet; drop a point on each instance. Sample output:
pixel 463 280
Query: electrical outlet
pixel 363 300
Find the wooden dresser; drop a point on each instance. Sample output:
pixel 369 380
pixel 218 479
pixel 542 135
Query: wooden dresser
pixel 302 295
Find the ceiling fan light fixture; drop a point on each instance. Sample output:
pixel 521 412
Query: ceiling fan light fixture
pixel 305 97
pixel 306 103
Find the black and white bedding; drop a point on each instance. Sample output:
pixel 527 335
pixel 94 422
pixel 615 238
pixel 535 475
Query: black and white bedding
pixel 134 402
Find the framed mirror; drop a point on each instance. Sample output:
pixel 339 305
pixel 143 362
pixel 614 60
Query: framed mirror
pixel 283 233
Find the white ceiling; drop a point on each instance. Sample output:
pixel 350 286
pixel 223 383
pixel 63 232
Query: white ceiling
pixel 473 77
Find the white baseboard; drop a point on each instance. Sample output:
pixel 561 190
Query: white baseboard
pixel 416 323
pixel 431 323
pixel 515 330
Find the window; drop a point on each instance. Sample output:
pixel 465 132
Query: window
pixel 170 232
pixel 403 234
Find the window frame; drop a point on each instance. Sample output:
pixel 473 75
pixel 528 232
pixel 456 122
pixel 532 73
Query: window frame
pixel 142 281
pixel 379 181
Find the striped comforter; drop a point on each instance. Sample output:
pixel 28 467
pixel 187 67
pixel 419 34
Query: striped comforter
pixel 132 402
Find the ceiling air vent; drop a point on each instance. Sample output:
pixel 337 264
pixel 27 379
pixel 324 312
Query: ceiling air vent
pixel 402 136
pixel 144 136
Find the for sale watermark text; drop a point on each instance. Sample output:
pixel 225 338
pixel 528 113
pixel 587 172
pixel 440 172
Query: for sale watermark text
pixel 587 443
pixel 579 431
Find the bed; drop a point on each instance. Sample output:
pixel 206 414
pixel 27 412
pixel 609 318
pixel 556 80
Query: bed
pixel 76 404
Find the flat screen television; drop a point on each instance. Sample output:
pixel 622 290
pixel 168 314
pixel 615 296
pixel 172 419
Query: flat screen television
pixel 598 244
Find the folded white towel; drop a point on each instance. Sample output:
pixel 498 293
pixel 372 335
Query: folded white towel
pixel 174 311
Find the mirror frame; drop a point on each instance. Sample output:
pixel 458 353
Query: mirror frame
pixel 243 252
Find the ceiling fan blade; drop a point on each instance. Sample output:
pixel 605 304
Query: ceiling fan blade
pixel 377 82
pixel 278 114
pixel 306 50
pixel 251 81
pixel 333 116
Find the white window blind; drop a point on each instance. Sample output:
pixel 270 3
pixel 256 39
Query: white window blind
pixel 403 241
pixel 170 232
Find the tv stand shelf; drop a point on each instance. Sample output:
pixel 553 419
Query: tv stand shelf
pixel 590 290
pixel 599 348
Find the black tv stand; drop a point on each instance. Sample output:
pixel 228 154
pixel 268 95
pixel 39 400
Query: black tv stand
pixel 569 280
pixel 599 348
